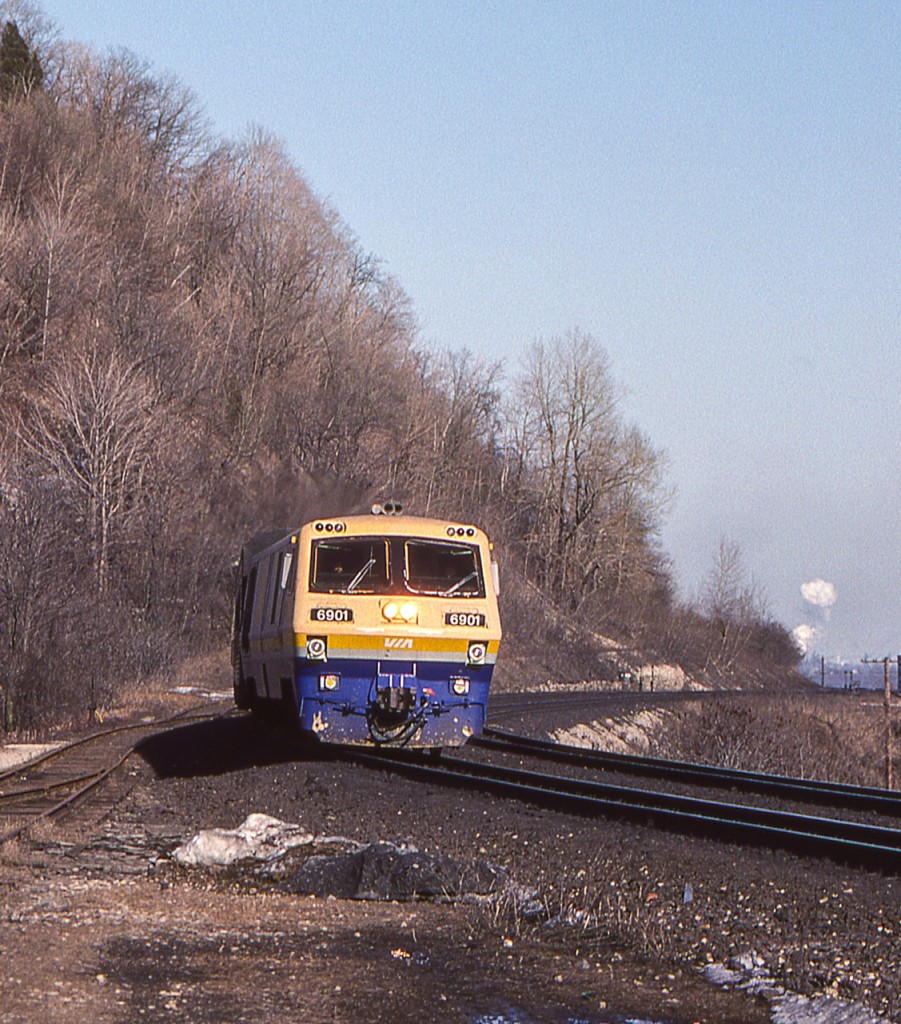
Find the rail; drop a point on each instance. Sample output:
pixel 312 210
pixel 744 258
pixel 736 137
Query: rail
pixel 834 794
pixel 871 845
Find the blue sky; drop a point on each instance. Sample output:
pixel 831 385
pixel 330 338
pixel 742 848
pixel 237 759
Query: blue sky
pixel 712 190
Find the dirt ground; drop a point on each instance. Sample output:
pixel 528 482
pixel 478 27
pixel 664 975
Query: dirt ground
pixel 98 923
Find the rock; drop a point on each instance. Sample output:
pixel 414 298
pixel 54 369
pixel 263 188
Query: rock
pixel 720 974
pixel 750 963
pixel 384 871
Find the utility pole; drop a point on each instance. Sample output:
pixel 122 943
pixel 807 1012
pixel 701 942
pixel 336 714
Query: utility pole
pixel 833 669
pixel 889 775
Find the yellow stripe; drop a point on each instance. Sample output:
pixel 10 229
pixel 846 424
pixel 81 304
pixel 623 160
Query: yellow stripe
pixel 377 645
pixel 355 642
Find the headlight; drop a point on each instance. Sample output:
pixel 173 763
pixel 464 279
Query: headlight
pixel 476 653
pixel 459 685
pixel 317 648
pixel 329 681
pixel 406 612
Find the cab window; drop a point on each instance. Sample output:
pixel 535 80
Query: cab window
pixel 442 568
pixel 352 565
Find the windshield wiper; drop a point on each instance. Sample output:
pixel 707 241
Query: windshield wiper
pixel 359 577
pixel 460 583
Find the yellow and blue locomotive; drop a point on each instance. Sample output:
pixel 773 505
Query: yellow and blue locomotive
pixel 375 629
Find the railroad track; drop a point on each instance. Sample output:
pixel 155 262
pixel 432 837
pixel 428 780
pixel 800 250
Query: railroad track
pixel 56 780
pixel 833 794
pixel 606 701
pixel 847 841
pixel 614 702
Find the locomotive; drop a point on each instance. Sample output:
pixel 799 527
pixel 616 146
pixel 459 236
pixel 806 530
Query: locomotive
pixel 375 630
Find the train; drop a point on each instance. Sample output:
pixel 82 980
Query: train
pixel 377 630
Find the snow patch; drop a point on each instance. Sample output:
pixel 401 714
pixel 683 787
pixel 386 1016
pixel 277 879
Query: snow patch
pixel 259 837
pixel 749 973
pixel 202 692
pixel 649 677
pixel 793 1009
pixel 622 736
pixel 14 754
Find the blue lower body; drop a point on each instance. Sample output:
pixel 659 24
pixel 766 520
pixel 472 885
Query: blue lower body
pixel 392 703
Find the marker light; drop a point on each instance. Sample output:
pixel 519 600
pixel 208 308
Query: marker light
pixel 459 685
pixel 476 653
pixel 461 531
pixel 317 648
pixel 329 681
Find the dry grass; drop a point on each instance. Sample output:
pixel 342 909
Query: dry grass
pixel 834 737
pixel 208 671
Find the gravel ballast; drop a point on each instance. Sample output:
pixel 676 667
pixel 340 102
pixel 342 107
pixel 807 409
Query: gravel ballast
pixel 627 920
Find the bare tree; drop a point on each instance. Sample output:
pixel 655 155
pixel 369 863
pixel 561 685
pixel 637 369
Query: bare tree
pixel 38 595
pixel 122 96
pixel 93 426
pixel 448 424
pixel 265 250
pixel 590 485
pixel 25 561
pixel 733 604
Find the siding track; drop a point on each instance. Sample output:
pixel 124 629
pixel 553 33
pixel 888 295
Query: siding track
pixel 56 780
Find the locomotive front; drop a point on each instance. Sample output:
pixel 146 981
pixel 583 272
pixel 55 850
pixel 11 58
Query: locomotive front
pixel 396 630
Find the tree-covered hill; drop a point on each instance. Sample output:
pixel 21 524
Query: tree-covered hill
pixel 193 347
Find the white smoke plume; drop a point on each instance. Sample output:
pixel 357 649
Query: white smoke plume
pixel 820 593
pixel 804 637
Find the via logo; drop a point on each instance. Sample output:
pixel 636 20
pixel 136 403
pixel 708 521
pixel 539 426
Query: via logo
pixel 398 643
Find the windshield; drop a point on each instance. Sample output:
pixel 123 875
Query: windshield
pixel 442 568
pixel 352 565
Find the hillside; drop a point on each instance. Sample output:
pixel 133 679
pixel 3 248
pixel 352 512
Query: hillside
pixel 193 346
